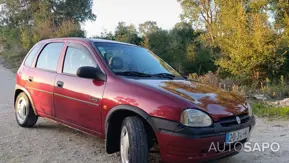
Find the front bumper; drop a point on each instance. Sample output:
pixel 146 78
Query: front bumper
pixel 179 143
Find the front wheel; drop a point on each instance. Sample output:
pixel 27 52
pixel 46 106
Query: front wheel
pixel 133 141
pixel 25 116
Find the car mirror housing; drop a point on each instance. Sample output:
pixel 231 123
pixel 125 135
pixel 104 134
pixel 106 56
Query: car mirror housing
pixel 91 73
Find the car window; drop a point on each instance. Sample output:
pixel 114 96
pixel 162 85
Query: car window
pixel 77 57
pixel 30 57
pixel 123 58
pixel 48 58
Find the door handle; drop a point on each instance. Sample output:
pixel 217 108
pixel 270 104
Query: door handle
pixel 59 84
pixel 30 79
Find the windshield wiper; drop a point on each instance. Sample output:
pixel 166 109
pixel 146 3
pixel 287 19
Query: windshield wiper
pixel 140 74
pixel 133 73
pixel 164 75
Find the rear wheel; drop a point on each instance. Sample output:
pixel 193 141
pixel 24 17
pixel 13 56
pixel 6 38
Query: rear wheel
pixel 133 141
pixel 24 113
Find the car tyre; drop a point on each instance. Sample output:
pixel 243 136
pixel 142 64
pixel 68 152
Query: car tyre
pixel 24 113
pixel 133 141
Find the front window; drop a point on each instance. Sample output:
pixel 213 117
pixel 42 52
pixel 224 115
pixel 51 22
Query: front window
pixel 123 58
pixel 77 56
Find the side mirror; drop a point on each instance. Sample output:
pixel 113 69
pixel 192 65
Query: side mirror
pixel 91 73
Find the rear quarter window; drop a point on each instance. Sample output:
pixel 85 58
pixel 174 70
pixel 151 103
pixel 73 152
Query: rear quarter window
pixel 31 55
pixel 49 56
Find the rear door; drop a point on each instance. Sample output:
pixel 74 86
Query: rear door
pixel 78 100
pixel 41 78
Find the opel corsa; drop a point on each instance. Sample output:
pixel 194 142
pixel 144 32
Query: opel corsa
pixel 130 97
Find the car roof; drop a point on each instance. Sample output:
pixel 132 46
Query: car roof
pixel 88 40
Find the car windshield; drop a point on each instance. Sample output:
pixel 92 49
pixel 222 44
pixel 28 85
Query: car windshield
pixel 132 60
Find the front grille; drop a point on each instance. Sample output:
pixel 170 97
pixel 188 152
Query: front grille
pixel 231 121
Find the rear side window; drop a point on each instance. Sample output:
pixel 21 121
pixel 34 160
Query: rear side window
pixel 29 60
pixel 76 57
pixel 48 58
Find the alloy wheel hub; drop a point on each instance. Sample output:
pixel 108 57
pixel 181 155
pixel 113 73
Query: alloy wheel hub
pixel 124 146
pixel 21 109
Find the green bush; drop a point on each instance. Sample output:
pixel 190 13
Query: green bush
pixel 12 59
pixel 264 110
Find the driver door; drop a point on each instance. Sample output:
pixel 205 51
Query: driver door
pixel 78 100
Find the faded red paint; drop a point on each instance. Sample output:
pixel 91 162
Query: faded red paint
pixel 159 98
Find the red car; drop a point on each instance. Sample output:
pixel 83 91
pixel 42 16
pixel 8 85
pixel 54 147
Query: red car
pixel 130 97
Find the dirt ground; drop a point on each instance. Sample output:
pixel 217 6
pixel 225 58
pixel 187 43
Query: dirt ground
pixel 50 142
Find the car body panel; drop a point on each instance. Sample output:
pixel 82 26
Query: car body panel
pixel 216 102
pixel 79 101
pixel 82 96
pixel 123 91
pixel 41 90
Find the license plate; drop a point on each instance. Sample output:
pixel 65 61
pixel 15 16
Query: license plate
pixel 232 137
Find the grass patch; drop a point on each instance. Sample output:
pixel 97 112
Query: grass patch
pixel 264 110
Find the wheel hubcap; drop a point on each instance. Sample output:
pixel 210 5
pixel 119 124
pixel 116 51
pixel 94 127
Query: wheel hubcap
pixel 21 110
pixel 124 145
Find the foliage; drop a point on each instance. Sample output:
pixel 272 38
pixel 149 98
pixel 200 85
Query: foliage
pixel 145 29
pixel 25 22
pixel 263 110
pixel 181 46
pixel 247 45
pixel 127 34
pixel 106 35
pixel 158 42
pixel 272 89
pixel 276 89
pixel 249 48
pixel 202 14
pixel 239 42
pixel 209 78
pixel 148 27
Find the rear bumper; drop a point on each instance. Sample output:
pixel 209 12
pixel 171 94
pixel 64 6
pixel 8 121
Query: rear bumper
pixel 180 144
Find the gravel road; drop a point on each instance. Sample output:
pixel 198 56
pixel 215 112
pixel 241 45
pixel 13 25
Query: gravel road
pixel 50 142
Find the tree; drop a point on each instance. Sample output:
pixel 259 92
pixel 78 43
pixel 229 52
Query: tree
pixel 241 31
pixel 19 12
pixel 202 14
pixel 76 10
pixel 145 29
pixel 279 10
pixel 106 35
pixel 181 45
pixel 158 42
pixel 187 52
pixel 199 59
pixel 148 27
pixel 127 34
pixel 38 20
pixel 248 43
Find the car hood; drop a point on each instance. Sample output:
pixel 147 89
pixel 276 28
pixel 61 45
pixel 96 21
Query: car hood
pixel 217 102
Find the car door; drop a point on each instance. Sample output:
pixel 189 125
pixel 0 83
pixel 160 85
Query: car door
pixel 41 77
pixel 78 100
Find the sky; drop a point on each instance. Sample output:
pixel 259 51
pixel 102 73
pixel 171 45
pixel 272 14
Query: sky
pixel 109 12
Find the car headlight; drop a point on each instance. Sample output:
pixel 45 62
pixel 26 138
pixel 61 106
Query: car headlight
pixel 195 118
pixel 250 111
